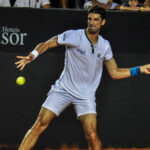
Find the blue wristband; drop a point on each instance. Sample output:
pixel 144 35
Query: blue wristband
pixel 135 71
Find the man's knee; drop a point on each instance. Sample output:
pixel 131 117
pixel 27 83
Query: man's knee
pixel 39 126
pixel 92 137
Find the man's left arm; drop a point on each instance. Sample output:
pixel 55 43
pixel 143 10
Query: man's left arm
pixel 117 73
pixel 46 4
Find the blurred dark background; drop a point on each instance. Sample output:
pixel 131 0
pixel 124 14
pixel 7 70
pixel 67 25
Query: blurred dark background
pixel 122 106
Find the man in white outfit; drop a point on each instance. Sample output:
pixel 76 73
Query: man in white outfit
pixel 5 3
pixel 32 3
pixel 86 51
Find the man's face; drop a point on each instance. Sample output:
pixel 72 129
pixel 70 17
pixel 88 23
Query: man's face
pixel 133 3
pixel 94 23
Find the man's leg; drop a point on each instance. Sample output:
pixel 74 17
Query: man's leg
pixel 89 123
pixel 44 118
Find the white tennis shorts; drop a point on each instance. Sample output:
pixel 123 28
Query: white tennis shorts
pixel 58 99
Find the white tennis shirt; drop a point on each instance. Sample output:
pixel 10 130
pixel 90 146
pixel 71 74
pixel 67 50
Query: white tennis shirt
pixel 5 3
pixel 83 69
pixel 31 3
pixel 105 2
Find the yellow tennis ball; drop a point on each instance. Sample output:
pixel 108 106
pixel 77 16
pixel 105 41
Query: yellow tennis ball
pixel 20 80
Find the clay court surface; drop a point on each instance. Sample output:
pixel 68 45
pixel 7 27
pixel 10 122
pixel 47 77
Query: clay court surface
pixel 64 147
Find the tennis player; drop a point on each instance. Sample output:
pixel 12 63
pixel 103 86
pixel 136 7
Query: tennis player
pixel 86 51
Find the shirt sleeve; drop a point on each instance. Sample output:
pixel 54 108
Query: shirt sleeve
pixel 70 38
pixel 44 2
pixel 109 53
pixel 20 4
pixel 6 3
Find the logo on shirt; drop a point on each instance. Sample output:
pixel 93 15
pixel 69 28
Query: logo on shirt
pixel 98 55
pixel 64 37
pixel 82 52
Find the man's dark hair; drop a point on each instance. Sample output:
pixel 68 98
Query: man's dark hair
pixel 98 10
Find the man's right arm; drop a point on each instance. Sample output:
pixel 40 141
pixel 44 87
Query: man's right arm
pixel 130 8
pixel 39 49
pixel 42 47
